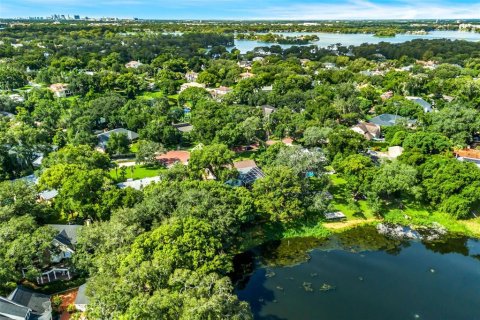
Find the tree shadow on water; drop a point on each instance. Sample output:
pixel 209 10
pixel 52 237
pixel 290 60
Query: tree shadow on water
pixel 250 284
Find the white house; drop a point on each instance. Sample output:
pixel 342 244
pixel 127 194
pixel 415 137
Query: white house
pixel 187 85
pixel 64 241
pixel 60 90
pixel 133 64
pixel 138 184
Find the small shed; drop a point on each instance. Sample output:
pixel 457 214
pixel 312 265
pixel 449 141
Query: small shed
pixel 335 216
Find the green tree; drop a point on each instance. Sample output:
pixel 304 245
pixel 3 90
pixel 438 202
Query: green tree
pixel 118 143
pixel 81 155
pixel 345 142
pixel 278 195
pixel 427 142
pixel 147 152
pixel 11 78
pixel 216 158
pixel 316 136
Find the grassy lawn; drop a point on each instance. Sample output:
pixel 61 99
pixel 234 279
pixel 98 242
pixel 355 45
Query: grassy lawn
pixel 359 213
pixel 244 155
pixel 412 213
pixel 139 172
pixel 358 210
pixel 151 95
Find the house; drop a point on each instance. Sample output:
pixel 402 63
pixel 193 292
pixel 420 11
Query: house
pixel 133 64
pixel 7 114
pixel 388 120
pixel 105 136
pixel 395 151
pixel 246 75
pixel 329 65
pixel 187 85
pixel 24 304
pixel 38 160
pixel 48 195
pixel 304 62
pixel 370 131
pixel 220 91
pixel 138 184
pixel 392 153
pixel 369 73
pixel 248 172
pixel 245 64
pixel 60 90
pixel 81 300
pixel 267 110
pixel 386 95
pixel 428 64
pixel 172 157
pixel 427 107
pixel 183 127
pixel 288 141
pixel 448 98
pixel 16 97
pixel 468 155
pixel 259 59
pixel 285 141
pixel 267 88
pixel 191 76
pixel 64 241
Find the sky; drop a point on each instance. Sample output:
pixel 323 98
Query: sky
pixel 246 9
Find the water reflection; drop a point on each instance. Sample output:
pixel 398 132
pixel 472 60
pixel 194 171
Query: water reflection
pixel 360 274
pixel 328 39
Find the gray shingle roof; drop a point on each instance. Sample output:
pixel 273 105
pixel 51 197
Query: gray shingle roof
pixel 67 233
pixel 10 308
pixel 104 136
pixel 386 120
pixel 38 303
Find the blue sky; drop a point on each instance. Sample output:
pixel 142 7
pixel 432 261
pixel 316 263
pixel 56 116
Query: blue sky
pixel 246 9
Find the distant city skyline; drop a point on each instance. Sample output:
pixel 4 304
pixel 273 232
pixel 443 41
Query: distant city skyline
pixel 246 9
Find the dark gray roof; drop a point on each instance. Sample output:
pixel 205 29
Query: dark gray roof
pixel 67 233
pixel 104 136
pixel 386 120
pixel 10 308
pixel 81 296
pixel 37 302
pixel 183 127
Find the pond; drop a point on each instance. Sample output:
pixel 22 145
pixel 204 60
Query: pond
pixel 327 39
pixel 361 274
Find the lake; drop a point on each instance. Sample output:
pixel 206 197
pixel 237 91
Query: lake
pixel 327 39
pixel 361 274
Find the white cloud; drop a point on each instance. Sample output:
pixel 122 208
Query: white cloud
pixel 361 9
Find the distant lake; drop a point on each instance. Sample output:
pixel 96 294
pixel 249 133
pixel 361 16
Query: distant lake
pixel 362 275
pixel 327 39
